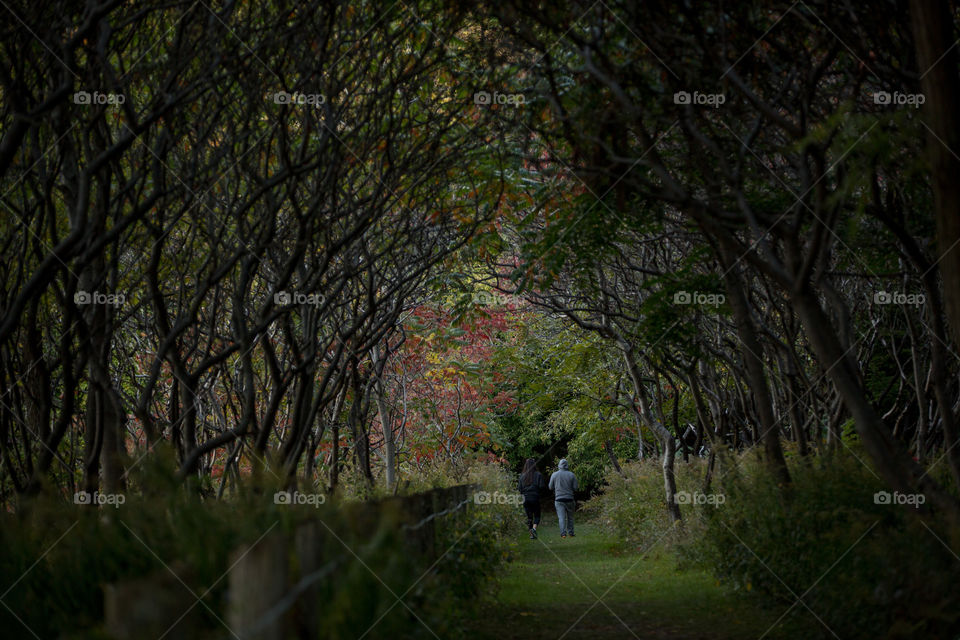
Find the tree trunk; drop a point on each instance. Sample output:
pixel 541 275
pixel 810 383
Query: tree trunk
pixel 104 414
pixel 938 346
pixel 894 465
pixel 335 456
pixel 793 401
pixel 389 444
pixel 93 443
pixel 753 363
pixel 703 413
pixel 608 447
pixel 932 24
pixel 918 389
pixel 663 434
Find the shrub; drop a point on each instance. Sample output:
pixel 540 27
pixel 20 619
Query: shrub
pixel 866 569
pixel 634 506
pixel 60 556
pixel 476 545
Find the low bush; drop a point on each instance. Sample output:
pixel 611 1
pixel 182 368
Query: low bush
pixel 829 544
pixel 475 546
pixel 633 504
pixel 57 558
pixel 865 567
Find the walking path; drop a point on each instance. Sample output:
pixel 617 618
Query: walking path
pixel 551 591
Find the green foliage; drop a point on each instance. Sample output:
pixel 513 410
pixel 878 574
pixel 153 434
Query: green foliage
pixel 475 545
pixel 58 558
pixel 867 569
pixel 571 396
pixel 872 570
pixel 634 504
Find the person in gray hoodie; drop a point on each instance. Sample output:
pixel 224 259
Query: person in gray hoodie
pixel 563 483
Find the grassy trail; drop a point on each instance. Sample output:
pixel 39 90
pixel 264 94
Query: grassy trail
pixel 551 590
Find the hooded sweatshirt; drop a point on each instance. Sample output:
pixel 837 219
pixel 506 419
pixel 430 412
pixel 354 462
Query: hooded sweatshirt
pixel 563 483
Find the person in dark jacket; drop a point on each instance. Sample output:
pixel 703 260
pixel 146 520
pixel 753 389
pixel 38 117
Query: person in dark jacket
pixel 530 484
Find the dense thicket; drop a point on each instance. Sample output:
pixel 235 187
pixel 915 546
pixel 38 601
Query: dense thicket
pixel 220 222
pixel 749 212
pixel 213 219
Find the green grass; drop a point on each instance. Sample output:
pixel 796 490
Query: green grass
pixel 551 588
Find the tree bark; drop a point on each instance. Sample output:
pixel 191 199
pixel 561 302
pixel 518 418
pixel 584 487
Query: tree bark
pixel 389 444
pixel 753 363
pixel 894 465
pixel 608 447
pixel 663 434
pixel 932 25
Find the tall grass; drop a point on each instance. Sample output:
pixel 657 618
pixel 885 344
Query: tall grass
pixel 824 546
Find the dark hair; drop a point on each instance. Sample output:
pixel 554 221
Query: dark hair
pixel 529 469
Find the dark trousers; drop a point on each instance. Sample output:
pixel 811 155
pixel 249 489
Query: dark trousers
pixel 532 507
